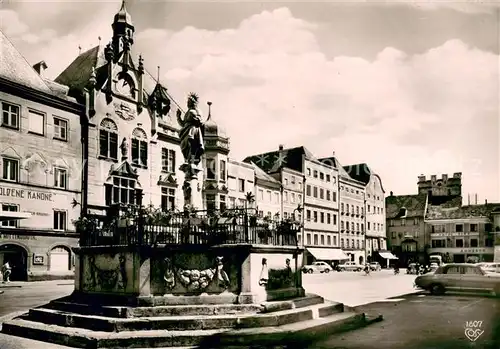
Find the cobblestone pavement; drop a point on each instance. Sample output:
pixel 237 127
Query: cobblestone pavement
pixel 357 288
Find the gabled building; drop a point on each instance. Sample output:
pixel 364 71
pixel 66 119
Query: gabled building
pixel 268 198
pixel 320 234
pixel 40 168
pixel 131 146
pixel 374 208
pixel 406 234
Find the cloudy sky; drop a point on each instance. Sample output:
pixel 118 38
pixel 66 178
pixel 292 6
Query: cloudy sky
pixel 406 88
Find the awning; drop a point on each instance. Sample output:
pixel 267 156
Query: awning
pixel 328 254
pixel 12 216
pixel 387 255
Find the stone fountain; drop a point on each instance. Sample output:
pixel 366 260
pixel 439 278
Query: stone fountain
pixel 198 284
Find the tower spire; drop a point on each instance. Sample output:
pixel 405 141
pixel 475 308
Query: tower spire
pixel 158 75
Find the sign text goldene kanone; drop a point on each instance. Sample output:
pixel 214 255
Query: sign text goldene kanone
pixel 26 194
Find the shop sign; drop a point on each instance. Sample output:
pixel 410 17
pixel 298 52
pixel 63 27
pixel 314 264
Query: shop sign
pixel 17 237
pixel 38 259
pixel 453 234
pixel 473 250
pixel 26 194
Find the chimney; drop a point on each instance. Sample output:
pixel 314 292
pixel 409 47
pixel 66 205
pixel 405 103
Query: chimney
pixel 391 193
pixel 40 68
pixel 280 148
pixel 468 199
pixel 457 175
pixel 444 177
pixel 433 178
pixel 476 199
pixel 421 178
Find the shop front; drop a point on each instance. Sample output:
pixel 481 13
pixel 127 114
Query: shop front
pixel 465 255
pixel 331 255
pixel 36 232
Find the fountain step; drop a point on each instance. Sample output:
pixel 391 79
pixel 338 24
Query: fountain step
pixel 66 305
pixel 171 310
pixel 184 322
pixel 307 330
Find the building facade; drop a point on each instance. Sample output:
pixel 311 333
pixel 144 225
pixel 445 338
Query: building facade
pixel 268 198
pixel 463 233
pixel 297 168
pixel 352 217
pixel 241 182
pixel 41 166
pixel 374 212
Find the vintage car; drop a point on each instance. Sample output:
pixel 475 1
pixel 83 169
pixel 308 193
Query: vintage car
pixel 461 277
pixel 321 267
pixel 490 267
pixel 350 266
pixel 375 266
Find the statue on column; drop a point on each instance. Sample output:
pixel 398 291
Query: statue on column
pixel 191 133
pixel 193 148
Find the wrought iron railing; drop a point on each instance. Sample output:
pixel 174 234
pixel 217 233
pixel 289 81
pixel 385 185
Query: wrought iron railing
pixel 145 226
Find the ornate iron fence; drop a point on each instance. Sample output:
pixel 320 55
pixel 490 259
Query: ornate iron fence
pixel 132 225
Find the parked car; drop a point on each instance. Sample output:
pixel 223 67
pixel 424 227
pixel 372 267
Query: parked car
pixel 490 267
pixel 375 266
pixel 321 267
pixel 434 266
pixel 350 266
pixel 459 277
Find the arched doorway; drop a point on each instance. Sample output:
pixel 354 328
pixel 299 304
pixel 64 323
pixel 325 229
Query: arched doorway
pixel 361 260
pixel 17 257
pixel 60 259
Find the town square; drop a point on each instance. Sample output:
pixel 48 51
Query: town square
pixel 249 175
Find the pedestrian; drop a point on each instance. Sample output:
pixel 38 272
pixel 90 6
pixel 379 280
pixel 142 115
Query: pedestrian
pixel 6 270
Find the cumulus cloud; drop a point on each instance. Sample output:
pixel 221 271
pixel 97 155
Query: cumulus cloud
pixel 271 83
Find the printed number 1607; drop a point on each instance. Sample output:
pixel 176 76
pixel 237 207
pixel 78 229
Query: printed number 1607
pixel 473 324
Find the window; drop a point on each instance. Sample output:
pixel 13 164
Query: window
pixel 60 129
pixel 277 198
pixel 10 115
pixel 232 202
pixel 357 209
pixel 368 225
pixel 261 194
pixel 322 239
pixel 315 239
pixel 403 222
pixel 10 170
pixel 292 198
pixel 473 243
pixel 347 208
pixel 308 215
pixel 211 202
pixel 139 147
pixel 472 270
pixel 315 192
pixel 322 217
pixel 453 270
pixel 60 178
pixel 352 227
pixel 308 237
pixel 459 243
pixel 121 191
pixel 357 226
pixel 473 228
pixel 341 225
pixel 222 170
pixel 241 185
pixel 415 221
pixel 167 199
pixel 286 181
pixel 10 208
pixel 285 196
pixel 342 207
pixel 328 218
pixel 328 178
pixel 108 140
pixel 362 227
pixel 315 174
pixel 321 193
pixel 393 235
pixel 334 240
pixel 60 220
pixel 36 122
pixel 210 168
pixel 293 179
pixel 368 208
pixel 357 244
pixel 334 219
pixel 269 197
pixel 222 203
pixel 308 190
pixel 459 228
pixel 299 198
pixel 328 240
pixel 308 171
pixel 322 176
pixel 328 195
pixel 342 242
pixel 315 215
pixel 167 160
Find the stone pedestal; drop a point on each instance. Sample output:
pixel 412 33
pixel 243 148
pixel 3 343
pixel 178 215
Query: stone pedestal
pixel 192 274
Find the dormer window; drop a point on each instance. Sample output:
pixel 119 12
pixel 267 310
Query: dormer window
pixel 402 212
pixel 139 148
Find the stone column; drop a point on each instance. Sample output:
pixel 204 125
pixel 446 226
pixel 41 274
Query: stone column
pixel 191 187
